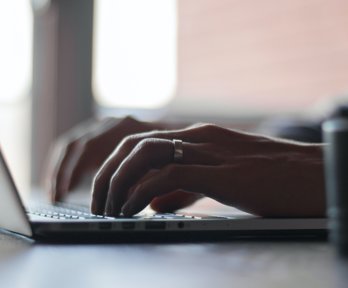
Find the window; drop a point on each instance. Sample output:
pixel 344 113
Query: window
pixel 135 53
pixel 15 75
pixel 232 57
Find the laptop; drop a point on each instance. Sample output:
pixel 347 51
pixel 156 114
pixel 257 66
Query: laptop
pixel 73 223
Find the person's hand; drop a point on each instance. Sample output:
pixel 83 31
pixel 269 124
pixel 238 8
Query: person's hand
pixel 260 175
pixel 82 151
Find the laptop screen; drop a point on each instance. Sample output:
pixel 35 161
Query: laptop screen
pixel 12 213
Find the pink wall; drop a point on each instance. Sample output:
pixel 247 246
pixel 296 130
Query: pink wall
pixel 267 54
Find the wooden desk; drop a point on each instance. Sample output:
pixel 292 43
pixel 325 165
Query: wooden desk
pixel 233 264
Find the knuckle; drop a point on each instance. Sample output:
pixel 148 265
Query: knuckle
pixel 97 178
pixel 197 125
pixel 64 143
pixel 127 123
pixel 205 128
pixel 146 145
pixel 128 120
pixel 214 130
pixel 129 142
pixel 69 144
pixel 113 180
pixel 60 151
pixel 210 127
pixel 91 143
pixel 84 142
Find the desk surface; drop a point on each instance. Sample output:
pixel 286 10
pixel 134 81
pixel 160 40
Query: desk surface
pixel 255 263
pixel 233 264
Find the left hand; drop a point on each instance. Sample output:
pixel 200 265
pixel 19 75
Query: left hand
pixel 83 149
pixel 260 175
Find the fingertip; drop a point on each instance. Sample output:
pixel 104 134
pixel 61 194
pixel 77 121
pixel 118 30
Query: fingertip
pixel 53 198
pixel 127 210
pixel 55 195
pixel 98 206
pixel 110 209
pixel 95 208
pixel 59 197
pixel 50 193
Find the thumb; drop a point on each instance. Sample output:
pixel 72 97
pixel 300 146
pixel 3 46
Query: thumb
pixel 174 201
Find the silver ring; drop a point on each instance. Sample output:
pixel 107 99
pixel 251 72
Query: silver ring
pixel 178 150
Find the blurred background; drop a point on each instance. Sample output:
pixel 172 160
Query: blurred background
pixel 233 62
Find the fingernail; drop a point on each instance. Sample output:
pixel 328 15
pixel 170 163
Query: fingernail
pixel 109 209
pixel 109 212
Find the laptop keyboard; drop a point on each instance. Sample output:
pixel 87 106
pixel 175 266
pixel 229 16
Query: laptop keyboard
pixel 75 212
pixel 62 211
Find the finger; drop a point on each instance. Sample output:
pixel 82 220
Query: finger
pixel 174 201
pixel 203 133
pixel 55 181
pixel 75 168
pixel 87 159
pixel 95 147
pixel 149 154
pixel 60 159
pixel 192 178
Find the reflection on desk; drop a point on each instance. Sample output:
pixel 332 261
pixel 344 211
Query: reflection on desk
pixel 231 264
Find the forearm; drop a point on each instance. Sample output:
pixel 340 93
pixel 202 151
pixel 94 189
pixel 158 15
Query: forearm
pixel 298 175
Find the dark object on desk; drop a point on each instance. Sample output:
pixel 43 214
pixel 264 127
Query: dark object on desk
pixel 309 132
pixel 336 170
pixel 304 130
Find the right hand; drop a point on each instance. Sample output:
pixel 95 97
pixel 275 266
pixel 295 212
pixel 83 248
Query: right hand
pixel 264 176
pixel 83 149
